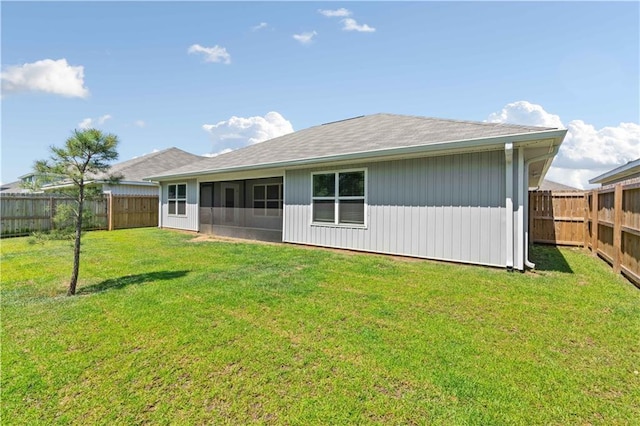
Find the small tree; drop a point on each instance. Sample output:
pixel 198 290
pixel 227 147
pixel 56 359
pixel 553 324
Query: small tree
pixel 85 154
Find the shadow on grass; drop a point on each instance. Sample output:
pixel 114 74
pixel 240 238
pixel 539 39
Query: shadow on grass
pixel 549 258
pixel 121 282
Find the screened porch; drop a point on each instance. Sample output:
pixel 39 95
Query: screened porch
pixel 250 208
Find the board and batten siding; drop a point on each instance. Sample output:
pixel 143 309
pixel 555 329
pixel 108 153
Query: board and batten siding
pixel 447 208
pixel 188 222
pixel 125 189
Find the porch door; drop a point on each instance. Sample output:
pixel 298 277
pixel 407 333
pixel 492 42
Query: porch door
pixel 231 203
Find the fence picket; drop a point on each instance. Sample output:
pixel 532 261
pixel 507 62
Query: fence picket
pixel 606 221
pixel 22 214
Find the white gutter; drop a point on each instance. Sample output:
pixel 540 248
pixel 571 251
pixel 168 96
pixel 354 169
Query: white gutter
pixel 496 142
pixel 552 154
pixel 508 155
pixel 160 206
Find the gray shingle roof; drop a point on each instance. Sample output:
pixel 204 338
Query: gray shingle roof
pixel 627 171
pixel 157 162
pixel 549 185
pixel 11 187
pixel 356 135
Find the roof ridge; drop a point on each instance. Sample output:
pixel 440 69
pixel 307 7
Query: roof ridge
pixel 455 120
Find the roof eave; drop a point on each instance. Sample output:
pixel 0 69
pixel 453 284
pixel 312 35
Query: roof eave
pixel 618 173
pixel 434 148
pixel 99 182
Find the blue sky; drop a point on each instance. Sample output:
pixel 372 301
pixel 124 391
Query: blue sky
pixel 174 74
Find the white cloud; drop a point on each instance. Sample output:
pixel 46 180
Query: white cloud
pixel 211 54
pixel 340 13
pixel 350 24
pixel 48 75
pixel 215 154
pixel 88 123
pixel 139 123
pixel 305 38
pixel 260 26
pixel 586 151
pixel 526 113
pixel 238 132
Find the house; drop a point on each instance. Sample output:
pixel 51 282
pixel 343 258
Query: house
pixel 628 173
pixel 413 186
pixel 132 172
pixel 25 184
pixel 13 188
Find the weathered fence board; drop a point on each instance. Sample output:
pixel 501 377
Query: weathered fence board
pixel 557 217
pixel 606 221
pixel 133 212
pixel 22 214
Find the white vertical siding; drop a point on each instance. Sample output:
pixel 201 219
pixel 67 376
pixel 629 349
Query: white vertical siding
pixel 124 189
pixel 449 207
pixel 189 222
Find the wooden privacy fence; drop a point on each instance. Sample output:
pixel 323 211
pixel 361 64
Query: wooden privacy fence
pixel 133 211
pixel 22 214
pixel 605 221
pixel 557 217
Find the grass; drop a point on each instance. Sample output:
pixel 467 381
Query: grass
pixel 167 330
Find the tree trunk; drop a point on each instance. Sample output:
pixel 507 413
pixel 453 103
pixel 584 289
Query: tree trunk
pixel 76 247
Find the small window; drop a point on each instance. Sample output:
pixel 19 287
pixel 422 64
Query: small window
pixel 177 199
pixel 267 199
pixel 339 197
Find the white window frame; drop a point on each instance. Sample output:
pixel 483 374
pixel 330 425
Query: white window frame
pixel 336 199
pixel 280 200
pixel 178 199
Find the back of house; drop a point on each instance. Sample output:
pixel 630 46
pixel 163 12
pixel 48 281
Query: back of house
pixel 413 186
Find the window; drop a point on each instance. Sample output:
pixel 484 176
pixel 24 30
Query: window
pixel 339 197
pixel 177 198
pixel 267 199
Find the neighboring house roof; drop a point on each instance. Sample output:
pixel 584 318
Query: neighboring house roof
pixel 136 169
pixel 549 185
pixel 132 172
pixel 11 187
pixel 628 171
pixel 357 138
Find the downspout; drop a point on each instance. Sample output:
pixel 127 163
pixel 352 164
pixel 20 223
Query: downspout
pixel 508 156
pixel 552 154
pixel 519 262
pixel 160 206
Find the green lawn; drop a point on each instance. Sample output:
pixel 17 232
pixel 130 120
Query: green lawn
pixel 167 330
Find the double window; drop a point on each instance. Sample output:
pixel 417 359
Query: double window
pixel 267 199
pixel 339 197
pixel 177 199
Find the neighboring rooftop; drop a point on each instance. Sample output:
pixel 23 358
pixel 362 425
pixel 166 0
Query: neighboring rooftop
pixel 136 169
pixel 628 171
pixel 549 185
pixel 12 187
pixel 365 134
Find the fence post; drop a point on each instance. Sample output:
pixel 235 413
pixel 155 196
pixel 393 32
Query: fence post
pixel 617 228
pixel 110 213
pixel 594 223
pixel 587 216
pixel 51 207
